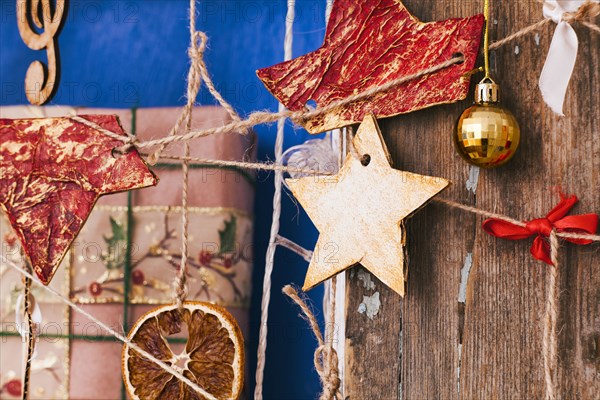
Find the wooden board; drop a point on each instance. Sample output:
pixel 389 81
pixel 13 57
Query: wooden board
pixel 431 345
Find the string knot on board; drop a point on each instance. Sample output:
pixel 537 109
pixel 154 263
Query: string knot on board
pixel 326 358
pixel 556 221
pixel 326 364
pixel 128 144
pixel 588 10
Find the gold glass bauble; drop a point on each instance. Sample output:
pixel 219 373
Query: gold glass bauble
pixel 486 134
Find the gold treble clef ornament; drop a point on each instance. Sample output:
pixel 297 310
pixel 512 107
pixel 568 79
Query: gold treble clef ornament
pixel 40 81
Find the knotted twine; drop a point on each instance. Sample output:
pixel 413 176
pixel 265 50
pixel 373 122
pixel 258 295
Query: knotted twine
pixel 562 53
pixel 325 357
pixel 582 15
pixel 242 126
pixel 196 74
pixel 555 221
pixel 586 11
pixel 165 366
pixel 578 229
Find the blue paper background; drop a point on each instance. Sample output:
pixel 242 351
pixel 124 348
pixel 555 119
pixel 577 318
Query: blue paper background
pixel 134 54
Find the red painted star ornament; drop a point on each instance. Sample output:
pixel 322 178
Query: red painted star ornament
pixel 52 171
pixel 368 44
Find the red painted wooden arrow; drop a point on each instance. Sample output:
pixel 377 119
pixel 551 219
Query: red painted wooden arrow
pixel 369 43
pixel 52 171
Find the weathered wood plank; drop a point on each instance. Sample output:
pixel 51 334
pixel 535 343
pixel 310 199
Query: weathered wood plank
pixel 418 337
pixel 373 326
pixel 507 291
pixel 420 341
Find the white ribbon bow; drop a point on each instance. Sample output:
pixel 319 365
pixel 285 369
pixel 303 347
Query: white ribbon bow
pixel 562 53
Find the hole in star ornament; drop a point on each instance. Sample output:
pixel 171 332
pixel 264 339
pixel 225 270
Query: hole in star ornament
pixel 52 171
pixel 360 212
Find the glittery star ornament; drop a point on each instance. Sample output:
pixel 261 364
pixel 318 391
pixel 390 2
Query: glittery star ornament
pixel 52 171
pixel 360 212
pixel 369 43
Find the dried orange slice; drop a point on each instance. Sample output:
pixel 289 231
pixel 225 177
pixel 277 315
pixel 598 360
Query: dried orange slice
pixel 213 356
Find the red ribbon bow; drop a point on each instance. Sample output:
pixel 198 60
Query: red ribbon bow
pixel 542 227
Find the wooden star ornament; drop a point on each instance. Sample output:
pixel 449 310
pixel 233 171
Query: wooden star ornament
pixel 360 212
pixel 52 171
pixel 369 43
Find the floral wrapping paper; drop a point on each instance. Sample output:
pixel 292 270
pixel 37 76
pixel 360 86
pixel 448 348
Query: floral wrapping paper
pixel 125 258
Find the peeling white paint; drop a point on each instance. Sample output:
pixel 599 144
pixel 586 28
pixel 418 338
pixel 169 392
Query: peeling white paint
pixel 464 278
pixel 370 305
pixel 365 277
pixel 537 39
pixel 473 179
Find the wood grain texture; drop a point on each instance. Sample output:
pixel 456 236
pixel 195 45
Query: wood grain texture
pixel 489 346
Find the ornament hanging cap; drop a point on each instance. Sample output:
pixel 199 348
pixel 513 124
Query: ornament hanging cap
pixel 487 91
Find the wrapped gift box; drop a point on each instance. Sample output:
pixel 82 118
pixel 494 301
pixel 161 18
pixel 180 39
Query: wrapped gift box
pixel 125 258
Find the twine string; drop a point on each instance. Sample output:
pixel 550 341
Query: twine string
pixel 267 166
pixel 111 331
pixel 181 278
pixel 199 57
pixel 325 357
pixel 197 73
pixel 196 47
pixel 550 319
pixel 293 246
pixel 488 214
pixel 549 342
pixel 28 309
pixel 586 11
pixel 519 34
pixel 262 117
pixel 274 233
